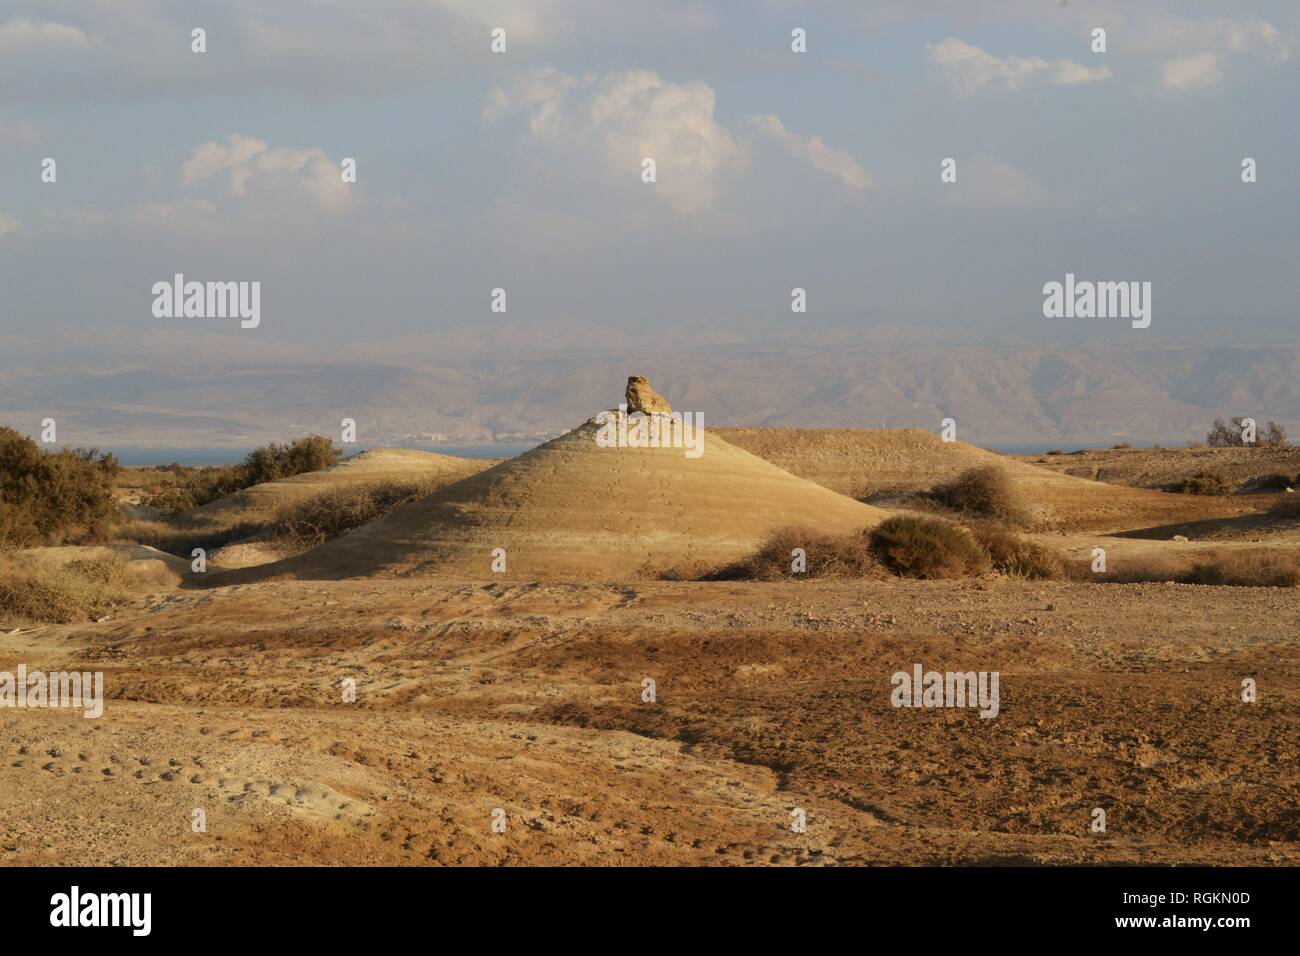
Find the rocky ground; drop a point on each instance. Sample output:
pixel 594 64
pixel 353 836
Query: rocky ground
pixel 477 696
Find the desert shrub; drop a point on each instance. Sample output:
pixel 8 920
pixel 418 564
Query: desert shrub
pixel 53 497
pixel 269 463
pixel 110 570
pixel 1011 554
pixel 828 556
pixel 1121 446
pixel 1206 483
pixel 1274 482
pixel 1220 435
pixel 984 492
pixel 274 461
pixel 43 593
pixel 198 488
pixel 1254 568
pixel 927 548
pixel 329 515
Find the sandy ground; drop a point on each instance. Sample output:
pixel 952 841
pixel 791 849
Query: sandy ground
pixel 481 695
pixel 1161 467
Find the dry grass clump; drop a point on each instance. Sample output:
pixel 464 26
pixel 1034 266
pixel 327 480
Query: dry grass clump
pixel 329 515
pixel 1206 483
pixel 827 556
pixel 919 547
pixel 45 593
pixel 1273 482
pixel 1259 568
pixel 984 492
pixel 1011 554
pixel 1254 567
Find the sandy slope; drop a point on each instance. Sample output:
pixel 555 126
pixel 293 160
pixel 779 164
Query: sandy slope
pixel 570 509
pixel 263 502
pixel 871 462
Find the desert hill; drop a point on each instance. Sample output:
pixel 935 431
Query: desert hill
pixel 571 509
pixel 264 501
pixel 867 462
pixel 1161 467
pixel 244 517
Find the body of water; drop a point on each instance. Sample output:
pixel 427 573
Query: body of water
pixel 202 457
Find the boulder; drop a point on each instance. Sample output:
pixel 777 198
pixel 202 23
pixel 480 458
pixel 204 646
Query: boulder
pixel 642 398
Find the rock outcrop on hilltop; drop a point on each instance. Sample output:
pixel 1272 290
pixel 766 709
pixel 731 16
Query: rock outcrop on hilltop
pixel 641 397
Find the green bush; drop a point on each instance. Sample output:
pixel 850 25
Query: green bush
pixel 53 497
pixel 927 548
pixel 274 461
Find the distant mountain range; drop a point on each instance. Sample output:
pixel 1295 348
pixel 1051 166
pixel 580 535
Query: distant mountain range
pixel 209 390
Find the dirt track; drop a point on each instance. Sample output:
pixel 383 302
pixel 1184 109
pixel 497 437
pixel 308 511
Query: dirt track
pixel 769 697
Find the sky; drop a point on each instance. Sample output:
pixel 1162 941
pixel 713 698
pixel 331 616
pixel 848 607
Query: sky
pixel 522 170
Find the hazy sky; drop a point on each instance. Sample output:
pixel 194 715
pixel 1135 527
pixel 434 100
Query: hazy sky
pixel 522 170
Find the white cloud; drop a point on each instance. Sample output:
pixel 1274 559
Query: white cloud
pixel 252 166
pixel 985 183
pixel 815 151
pixel 180 216
pixel 626 117
pixel 1255 38
pixel 1197 72
pixel 21 35
pixel 971 69
pixel 1197 51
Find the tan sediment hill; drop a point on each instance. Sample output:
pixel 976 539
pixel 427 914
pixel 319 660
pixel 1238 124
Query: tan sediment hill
pixel 1160 467
pixel 572 510
pixel 262 504
pixel 864 462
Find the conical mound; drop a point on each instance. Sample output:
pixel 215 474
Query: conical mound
pixel 573 510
